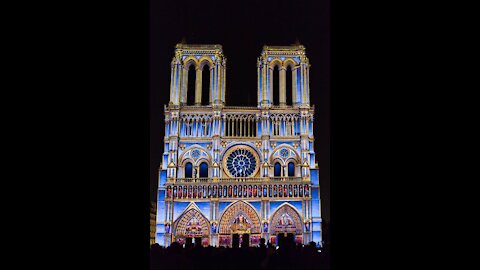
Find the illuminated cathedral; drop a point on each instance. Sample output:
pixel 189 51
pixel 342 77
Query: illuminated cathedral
pixel 231 174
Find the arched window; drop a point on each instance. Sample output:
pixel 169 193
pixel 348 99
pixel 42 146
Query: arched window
pixel 277 169
pixel 288 85
pixel 291 169
pixel 188 170
pixel 205 85
pixel 275 84
pixel 191 85
pixel 203 169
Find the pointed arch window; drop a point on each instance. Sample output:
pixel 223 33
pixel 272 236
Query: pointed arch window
pixel 291 169
pixel 288 85
pixel 188 170
pixel 204 169
pixel 205 85
pixel 191 85
pixel 276 85
pixel 277 169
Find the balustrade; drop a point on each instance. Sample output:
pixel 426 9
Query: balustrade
pixel 202 190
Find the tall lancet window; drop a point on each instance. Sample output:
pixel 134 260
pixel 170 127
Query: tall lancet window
pixel 277 169
pixel 206 85
pixel 291 169
pixel 188 170
pixel 288 85
pixel 276 85
pixel 203 169
pixel 191 85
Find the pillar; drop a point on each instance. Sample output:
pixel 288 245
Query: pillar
pixel 282 94
pixel 198 86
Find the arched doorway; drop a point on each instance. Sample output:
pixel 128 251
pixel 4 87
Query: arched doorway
pixel 286 225
pixel 239 223
pixel 191 227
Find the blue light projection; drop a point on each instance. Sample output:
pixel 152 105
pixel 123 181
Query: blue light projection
pixel 316 226
pixel 204 208
pixel 315 193
pixel 209 171
pixel 296 204
pixel 178 208
pixel 257 206
pixel 317 238
pixel 315 208
pixel 314 176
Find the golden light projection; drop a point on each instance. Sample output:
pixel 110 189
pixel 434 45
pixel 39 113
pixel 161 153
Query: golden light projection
pixel 286 220
pixel 226 168
pixel 192 224
pixel 240 217
pixel 241 161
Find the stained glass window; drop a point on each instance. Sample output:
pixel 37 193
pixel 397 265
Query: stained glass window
pixel 188 170
pixel 203 169
pixel 277 169
pixel 241 163
pixel 291 169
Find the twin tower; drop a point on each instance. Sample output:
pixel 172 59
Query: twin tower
pixel 283 76
pixel 231 175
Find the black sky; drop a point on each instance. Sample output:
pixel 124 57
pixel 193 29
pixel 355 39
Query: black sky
pixel 242 28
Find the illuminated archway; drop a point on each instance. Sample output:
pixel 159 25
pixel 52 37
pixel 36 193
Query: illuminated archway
pixel 240 217
pixel 191 223
pixel 286 220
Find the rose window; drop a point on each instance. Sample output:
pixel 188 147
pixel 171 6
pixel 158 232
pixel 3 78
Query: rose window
pixel 241 162
pixel 284 153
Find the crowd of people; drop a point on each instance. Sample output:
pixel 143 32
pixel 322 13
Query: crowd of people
pixel 287 255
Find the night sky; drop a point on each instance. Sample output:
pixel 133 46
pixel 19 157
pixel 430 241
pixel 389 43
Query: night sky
pixel 242 29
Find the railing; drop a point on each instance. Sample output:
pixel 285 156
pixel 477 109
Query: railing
pixel 236 179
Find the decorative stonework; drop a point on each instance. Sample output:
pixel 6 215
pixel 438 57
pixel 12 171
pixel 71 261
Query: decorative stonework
pixel 241 161
pixel 192 223
pixel 217 154
pixel 239 217
pixel 195 153
pixel 286 219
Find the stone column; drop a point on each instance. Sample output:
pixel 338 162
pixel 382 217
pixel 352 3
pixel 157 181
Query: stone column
pixel 266 97
pixel 224 82
pixel 259 92
pixel 176 83
pixel 172 81
pixel 270 84
pixel 198 87
pixel 184 88
pixel 282 94
pixel 294 86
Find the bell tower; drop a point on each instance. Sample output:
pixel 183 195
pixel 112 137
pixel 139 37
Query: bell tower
pixel 287 61
pixel 190 58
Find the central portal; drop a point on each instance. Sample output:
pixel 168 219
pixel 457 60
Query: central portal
pixel 240 240
pixel 239 226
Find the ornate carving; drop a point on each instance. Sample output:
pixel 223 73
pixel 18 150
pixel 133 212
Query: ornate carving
pixel 239 217
pixel 241 161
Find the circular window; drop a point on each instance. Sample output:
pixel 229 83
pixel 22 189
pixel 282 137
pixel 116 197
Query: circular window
pixel 284 153
pixel 241 161
pixel 195 153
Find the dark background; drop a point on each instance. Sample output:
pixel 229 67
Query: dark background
pixel 242 29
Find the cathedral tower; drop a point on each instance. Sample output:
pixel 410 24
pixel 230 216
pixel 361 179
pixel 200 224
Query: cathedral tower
pixel 232 174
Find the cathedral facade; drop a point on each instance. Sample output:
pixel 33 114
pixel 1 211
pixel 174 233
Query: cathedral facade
pixel 238 173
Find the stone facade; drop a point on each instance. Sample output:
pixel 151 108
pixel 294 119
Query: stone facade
pixel 229 171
